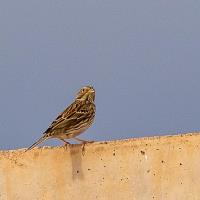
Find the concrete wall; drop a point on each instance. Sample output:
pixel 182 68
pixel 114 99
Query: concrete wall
pixel 147 168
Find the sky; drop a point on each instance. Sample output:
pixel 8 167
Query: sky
pixel 142 57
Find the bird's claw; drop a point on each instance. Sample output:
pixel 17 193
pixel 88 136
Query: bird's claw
pixel 66 144
pixel 83 146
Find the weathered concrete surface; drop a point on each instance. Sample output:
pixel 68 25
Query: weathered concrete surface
pixel 147 168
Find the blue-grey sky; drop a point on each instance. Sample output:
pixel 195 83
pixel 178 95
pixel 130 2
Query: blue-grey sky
pixel 142 57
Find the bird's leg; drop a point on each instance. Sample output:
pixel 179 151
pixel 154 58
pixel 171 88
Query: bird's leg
pixel 66 143
pixel 83 143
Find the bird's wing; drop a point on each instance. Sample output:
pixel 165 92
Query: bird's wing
pixel 62 116
pixel 70 117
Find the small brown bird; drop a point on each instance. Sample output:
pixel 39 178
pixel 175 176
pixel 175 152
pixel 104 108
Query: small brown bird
pixel 74 120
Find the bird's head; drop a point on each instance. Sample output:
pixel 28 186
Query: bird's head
pixel 86 93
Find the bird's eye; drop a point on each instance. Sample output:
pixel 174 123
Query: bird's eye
pixel 83 90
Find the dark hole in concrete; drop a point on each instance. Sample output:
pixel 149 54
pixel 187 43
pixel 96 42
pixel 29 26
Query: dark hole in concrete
pixel 142 152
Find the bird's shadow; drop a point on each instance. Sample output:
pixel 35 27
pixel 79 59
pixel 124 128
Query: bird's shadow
pixel 76 158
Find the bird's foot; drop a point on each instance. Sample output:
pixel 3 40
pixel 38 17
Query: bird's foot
pixel 66 144
pixel 84 142
pixel 83 148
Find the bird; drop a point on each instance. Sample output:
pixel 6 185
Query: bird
pixel 74 120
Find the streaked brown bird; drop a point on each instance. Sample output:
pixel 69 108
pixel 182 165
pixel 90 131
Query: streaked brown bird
pixel 74 120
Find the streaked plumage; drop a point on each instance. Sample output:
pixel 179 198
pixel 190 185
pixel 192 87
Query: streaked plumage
pixel 74 119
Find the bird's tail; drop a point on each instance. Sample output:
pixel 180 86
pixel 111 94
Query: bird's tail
pixel 42 139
